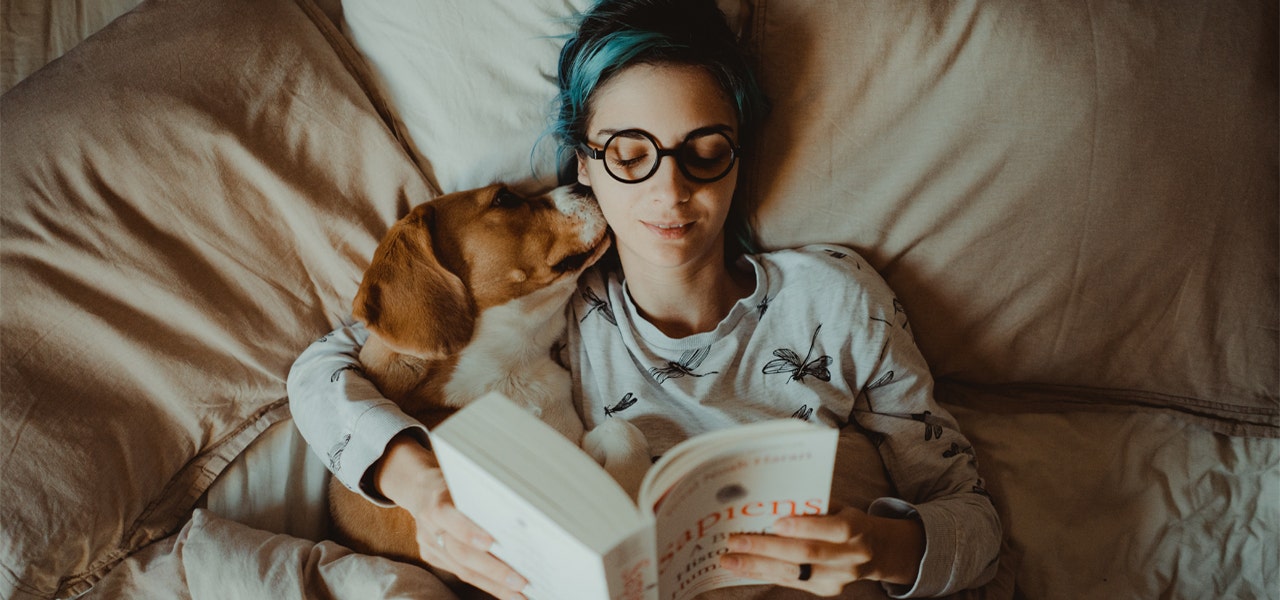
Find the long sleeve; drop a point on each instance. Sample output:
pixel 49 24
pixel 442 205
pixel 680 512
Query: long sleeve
pixel 341 414
pixel 932 465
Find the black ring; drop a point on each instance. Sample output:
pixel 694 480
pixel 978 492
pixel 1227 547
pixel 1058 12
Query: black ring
pixel 806 570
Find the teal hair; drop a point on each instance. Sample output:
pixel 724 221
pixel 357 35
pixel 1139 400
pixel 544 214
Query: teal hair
pixel 615 34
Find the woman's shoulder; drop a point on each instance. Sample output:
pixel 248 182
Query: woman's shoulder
pixel 830 263
pixel 828 274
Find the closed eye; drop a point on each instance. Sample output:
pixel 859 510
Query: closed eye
pixel 572 263
pixel 506 199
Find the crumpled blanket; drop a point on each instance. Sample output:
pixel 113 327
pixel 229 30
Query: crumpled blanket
pixel 213 558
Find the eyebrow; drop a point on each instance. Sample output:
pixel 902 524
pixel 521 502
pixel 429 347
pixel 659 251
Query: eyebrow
pixel 719 127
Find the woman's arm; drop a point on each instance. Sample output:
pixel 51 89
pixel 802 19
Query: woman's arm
pixel 934 469
pixel 341 414
pixel 941 536
pixel 377 450
pixel 939 533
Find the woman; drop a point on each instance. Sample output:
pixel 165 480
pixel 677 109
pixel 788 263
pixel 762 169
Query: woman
pixel 699 332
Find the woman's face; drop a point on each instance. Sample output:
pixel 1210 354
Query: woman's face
pixel 667 220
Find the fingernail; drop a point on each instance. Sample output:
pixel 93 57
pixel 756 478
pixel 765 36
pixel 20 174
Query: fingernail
pixel 481 542
pixel 783 526
pixel 738 544
pixel 516 582
pixel 730 562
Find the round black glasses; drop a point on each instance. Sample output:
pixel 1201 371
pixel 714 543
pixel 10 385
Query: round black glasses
pixel 633 155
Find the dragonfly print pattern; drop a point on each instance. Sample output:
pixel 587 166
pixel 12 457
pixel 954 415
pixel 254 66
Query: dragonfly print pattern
pixel 864 399
pixel 803 413
pixel 836 254
pixel 335 453
pixel 598 306
pixel 789 361
pixel 764 304
pixel 899 318
pixel 626 402
pixel 932 429
pixel 685 367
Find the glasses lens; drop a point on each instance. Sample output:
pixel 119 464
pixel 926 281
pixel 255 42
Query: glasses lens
pixel 630 157
pixel 708 156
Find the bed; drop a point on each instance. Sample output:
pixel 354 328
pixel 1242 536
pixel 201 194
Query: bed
pixel 1076 201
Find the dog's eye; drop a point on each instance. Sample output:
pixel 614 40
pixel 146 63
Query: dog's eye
pixel 571 263
pixel 506 199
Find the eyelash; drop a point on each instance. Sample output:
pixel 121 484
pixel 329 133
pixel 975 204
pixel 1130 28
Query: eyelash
pixel 506 199
pixel 627 162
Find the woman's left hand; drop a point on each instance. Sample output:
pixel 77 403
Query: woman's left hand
pixel 823 554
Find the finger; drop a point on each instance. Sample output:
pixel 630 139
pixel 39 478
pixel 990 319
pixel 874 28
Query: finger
pixel 498 589
pixel 450 519
pixel 821 580
pixel 462 558
pixel 837 528
pixel 795 550
pixel 452 541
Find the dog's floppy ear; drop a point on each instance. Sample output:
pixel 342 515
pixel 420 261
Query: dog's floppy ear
pixel 409 299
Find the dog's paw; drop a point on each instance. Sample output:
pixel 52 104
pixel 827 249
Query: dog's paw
pixel 622 450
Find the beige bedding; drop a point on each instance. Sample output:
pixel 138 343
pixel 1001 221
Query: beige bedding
pixel 212 557
pixel 177 227
pixel 1077 203
pixel 36 32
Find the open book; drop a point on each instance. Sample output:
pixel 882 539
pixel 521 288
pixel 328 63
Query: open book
pixel 561 521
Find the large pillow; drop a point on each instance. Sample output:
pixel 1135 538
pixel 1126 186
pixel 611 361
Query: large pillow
pixel 473 83
pixel 38 31
pixel 188 200
pixel 1075 201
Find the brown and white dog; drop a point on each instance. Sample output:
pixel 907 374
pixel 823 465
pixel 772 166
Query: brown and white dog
pixel 465 296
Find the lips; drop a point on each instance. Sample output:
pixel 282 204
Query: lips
pixel 668 230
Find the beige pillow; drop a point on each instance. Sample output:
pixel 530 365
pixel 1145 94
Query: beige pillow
pixel 1076 202
pixel 188 199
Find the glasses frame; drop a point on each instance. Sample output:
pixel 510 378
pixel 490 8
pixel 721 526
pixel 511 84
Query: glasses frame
pixel 675 153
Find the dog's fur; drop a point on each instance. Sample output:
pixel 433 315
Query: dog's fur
pixel 466 295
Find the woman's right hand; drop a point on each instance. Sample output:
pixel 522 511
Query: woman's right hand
pixel 409 476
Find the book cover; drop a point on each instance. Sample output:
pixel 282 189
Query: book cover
pixel 563 523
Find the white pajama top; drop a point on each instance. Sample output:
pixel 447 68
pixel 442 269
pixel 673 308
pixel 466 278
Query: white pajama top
pixel 822 338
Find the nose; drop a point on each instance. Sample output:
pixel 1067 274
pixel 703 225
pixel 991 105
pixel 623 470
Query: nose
pixel 669 183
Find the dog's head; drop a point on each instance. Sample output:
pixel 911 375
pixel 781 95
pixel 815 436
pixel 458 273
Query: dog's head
pixel 454 256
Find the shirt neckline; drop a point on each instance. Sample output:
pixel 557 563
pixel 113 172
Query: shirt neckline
pixel 653 336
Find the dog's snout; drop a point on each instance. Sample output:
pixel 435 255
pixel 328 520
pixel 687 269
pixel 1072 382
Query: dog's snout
pixel 582 229
pixel 577 202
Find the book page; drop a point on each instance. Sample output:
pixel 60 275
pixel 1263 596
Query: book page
pixel 741 484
